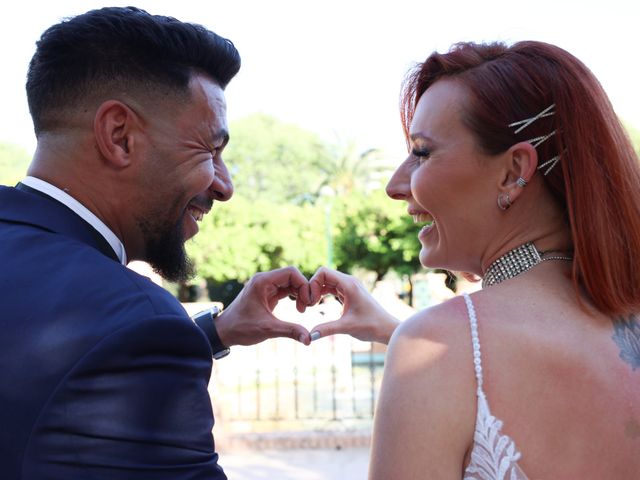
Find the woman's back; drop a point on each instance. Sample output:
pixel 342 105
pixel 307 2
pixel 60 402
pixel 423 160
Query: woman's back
pixel 554 375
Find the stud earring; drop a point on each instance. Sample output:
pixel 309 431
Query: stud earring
pixel 504 201
pixel 521 182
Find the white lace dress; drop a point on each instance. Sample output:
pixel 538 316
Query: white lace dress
pixel 494 456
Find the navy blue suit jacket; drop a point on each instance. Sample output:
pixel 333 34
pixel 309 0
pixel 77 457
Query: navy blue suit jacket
pixel 102 373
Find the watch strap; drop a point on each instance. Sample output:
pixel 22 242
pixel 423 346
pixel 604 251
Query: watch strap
pixel 206 321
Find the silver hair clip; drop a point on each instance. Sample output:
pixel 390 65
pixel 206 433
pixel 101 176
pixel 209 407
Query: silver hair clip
pixel 528 121
pixel 535 142
pixel 538 140
pixel 551 162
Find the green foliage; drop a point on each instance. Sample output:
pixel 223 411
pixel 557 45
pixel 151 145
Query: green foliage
pixel 242 237
pixel 375 233
pixel 350 170
pixel 634 135
pixel 274 161
pixel 369 231
pixel 13 164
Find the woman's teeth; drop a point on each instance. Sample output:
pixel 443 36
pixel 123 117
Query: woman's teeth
pixel 422 218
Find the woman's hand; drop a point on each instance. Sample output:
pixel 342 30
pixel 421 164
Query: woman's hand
pixel 362 317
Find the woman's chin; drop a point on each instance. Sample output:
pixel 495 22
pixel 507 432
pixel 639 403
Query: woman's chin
pixel 426 258
pixel 430 259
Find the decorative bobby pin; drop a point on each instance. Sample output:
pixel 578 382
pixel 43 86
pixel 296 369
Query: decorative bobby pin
pixel 547 112
pixel 528 121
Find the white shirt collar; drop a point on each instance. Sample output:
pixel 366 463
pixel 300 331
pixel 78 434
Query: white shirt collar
pixel 82 211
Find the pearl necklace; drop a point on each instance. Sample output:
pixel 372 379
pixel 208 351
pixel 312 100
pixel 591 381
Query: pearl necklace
pixel 515 262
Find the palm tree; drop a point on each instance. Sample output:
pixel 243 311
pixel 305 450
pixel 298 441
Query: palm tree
pixel 352 170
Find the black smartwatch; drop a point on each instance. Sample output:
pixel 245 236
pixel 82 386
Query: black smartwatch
pixel 206 321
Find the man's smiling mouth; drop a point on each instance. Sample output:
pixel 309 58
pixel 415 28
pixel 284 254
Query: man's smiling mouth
pixel 196 213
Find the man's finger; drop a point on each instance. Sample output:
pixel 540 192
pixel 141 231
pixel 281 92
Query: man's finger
pixel 302 302
pixel 291 330
pixel 303 296
pixel 291 277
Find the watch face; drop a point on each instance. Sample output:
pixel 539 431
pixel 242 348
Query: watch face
pixel 212 313
pixel 202 315
pixel 221 354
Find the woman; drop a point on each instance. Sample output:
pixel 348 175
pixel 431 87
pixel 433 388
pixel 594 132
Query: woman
pixel 522 174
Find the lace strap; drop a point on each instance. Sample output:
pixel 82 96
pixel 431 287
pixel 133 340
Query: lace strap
pixel 475 341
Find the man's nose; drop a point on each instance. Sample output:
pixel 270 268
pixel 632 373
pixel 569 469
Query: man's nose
pixel 222 186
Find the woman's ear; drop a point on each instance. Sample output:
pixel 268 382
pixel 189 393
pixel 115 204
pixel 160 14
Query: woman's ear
pixel 114 127
pixel 521 162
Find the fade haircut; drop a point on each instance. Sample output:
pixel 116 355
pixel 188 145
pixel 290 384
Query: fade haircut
pixel 123 50
pixel 595 182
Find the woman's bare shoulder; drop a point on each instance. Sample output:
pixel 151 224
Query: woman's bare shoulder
pixel 431 354
pixel 443 322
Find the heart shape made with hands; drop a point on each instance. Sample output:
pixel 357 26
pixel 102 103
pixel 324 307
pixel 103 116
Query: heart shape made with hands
pixel 355 312
pixel 252 317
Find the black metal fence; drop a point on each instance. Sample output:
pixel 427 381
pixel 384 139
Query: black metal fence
pixel 284 382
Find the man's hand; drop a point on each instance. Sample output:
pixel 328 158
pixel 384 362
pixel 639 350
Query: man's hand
pixel 249 319
pixel 362 318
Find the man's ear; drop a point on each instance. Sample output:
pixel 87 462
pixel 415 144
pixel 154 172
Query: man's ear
pixel 115 127
pixel 521 162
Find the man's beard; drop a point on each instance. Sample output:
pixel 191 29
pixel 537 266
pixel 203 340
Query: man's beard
pixel 164 249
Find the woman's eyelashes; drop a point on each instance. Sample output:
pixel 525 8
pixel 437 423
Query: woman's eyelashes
pixel 421 154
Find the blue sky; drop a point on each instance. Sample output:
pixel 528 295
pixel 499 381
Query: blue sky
pixel 335 66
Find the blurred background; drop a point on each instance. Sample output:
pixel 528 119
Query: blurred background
pixel 315 134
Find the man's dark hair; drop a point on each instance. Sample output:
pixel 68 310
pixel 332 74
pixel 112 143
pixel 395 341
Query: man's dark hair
pixel 125 49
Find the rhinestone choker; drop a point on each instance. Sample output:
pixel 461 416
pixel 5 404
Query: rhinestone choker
pixel 515 262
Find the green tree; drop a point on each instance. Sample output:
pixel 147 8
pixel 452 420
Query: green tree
pixel 348 175
pixel 242 237
pixel 634 135
pixel 274 161
pixel 351 170
pixel 375 233
pixel 14 161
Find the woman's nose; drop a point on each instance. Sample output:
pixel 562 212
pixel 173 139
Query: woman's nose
pixel 399 186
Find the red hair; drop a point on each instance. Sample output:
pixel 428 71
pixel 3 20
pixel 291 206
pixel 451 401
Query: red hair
pixel 597 180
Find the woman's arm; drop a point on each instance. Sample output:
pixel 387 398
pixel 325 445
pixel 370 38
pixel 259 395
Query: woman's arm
pixel 425 416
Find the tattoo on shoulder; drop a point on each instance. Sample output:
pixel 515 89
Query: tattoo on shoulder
pixel 626 334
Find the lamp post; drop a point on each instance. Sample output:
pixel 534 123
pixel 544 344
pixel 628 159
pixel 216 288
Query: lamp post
pixel 329 194
pixel 329 235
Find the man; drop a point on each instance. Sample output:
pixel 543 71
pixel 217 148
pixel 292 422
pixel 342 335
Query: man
pixel 103 373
